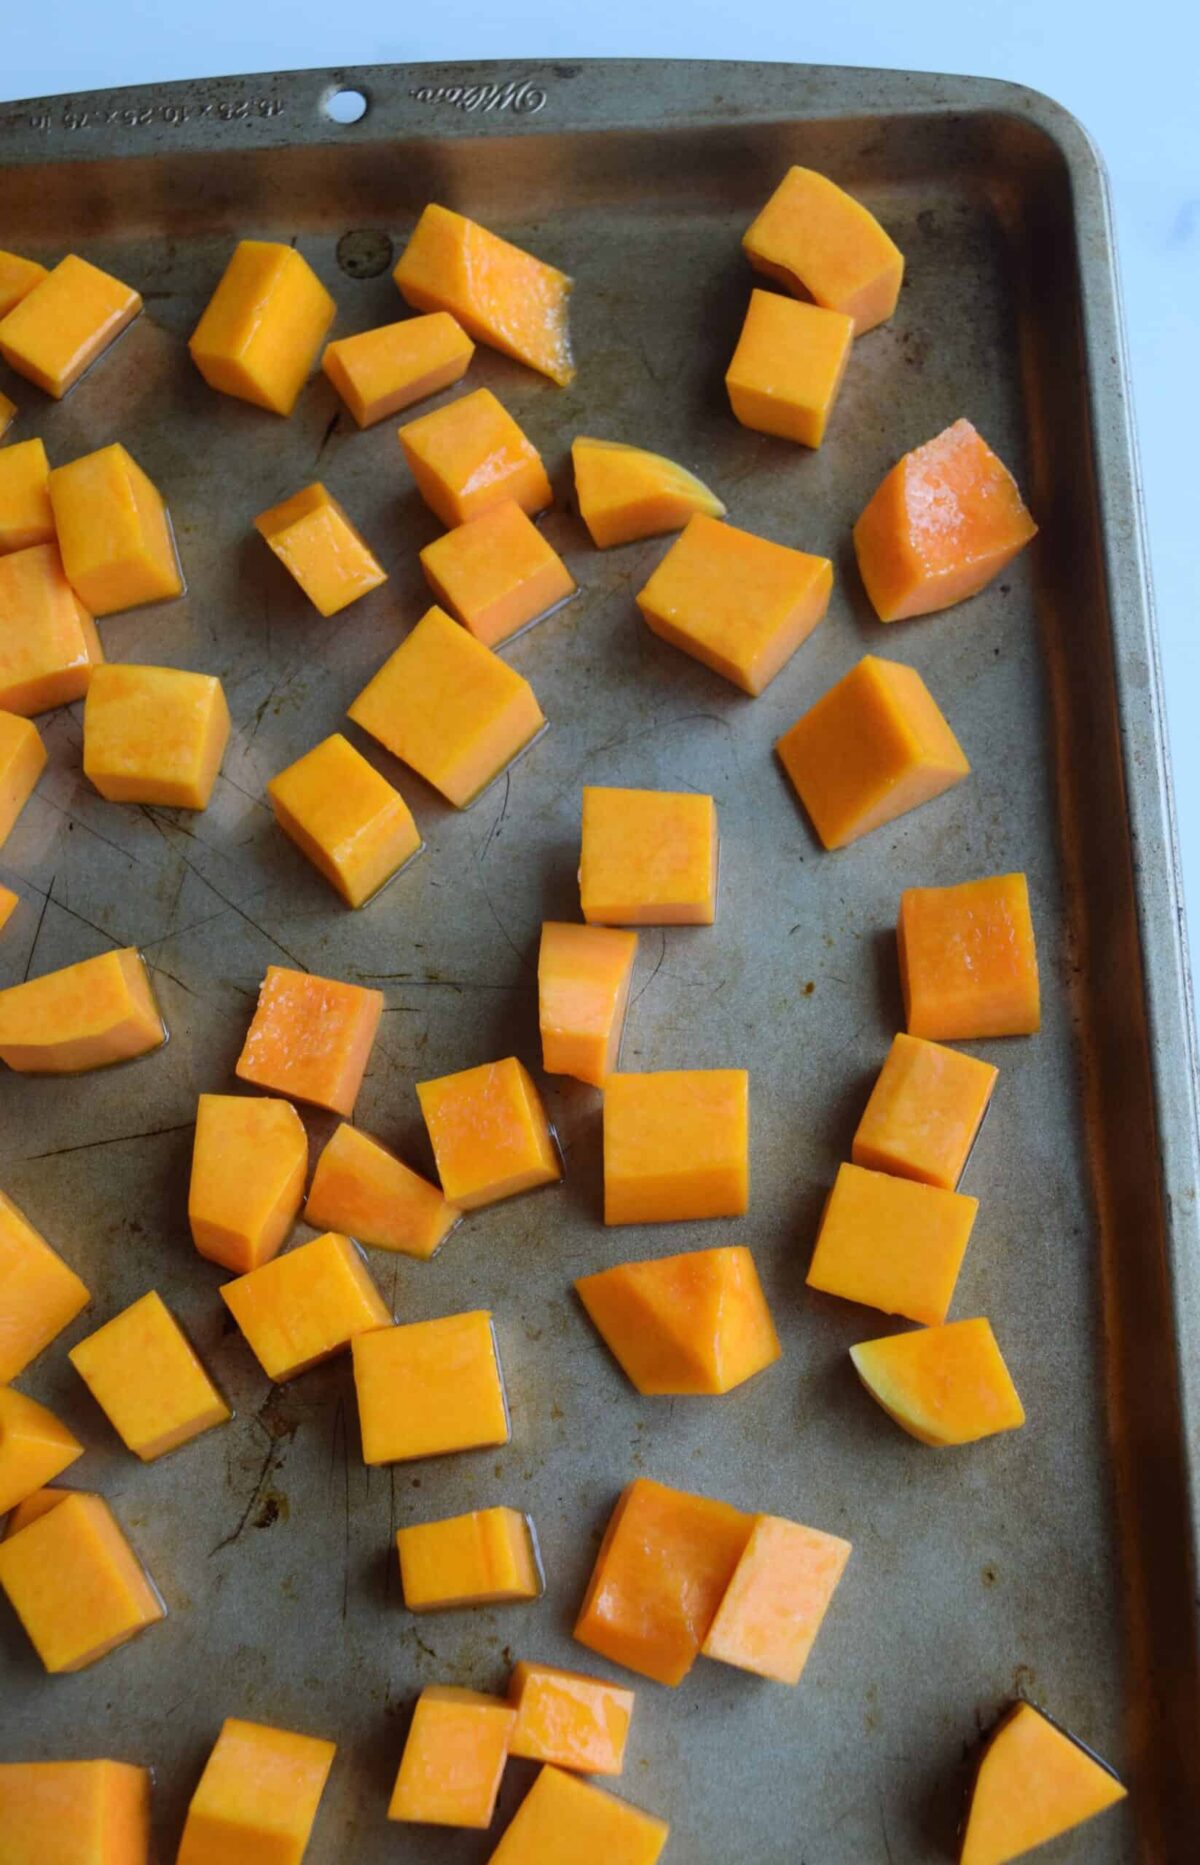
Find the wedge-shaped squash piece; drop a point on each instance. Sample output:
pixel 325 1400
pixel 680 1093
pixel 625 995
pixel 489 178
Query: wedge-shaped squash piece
pixel 892 1244
pixel 1034 1783
pixel 48 641
pixel 819 242
pixel 968 960
pixel 351 823
pixel 22 761
pixel 58 329
pixel 490 1133
pixel 33 1508
pixel 924 1113
pixel 148 1380
pixel 647 857
pixel 311 1038
pixel 257 1799
pixel 684 1324
pixel 379 372
pixel 499 293
pixel 453 1759
pixel 943 1385
pixel 583 991
pixel 318 545
pixel 565 1819
pixel 18 276
pixel 363 1189
pixel 430 1387
pixel 263 326
pixel 249 1160
pixel 118 549
pixel 497 573
pixel 304 1307
pixel 76 1585
pixel 575 1722
pixel 470 455
pixel 26 515
pixel 486 1558
pixel 624 492
pixel 74 1813
pixel 34 1447
pixel 676 1145
pixel 39 1295
pixel 154 735
pixel 9 902
pixel 775 1604
pixel 84 1016
pixel 788 367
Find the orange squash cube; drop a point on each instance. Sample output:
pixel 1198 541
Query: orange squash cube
pixel 684 1324
pixel 249 1161
pixel 363 1189
pixel 924 1112
pixel 453 1759
pixel 39 1294
pixel 449 708
pixel 775 1604
pixel 735 602
pixel 968 961
pixel 22 760
pixel 943 523
pixel 154 735
pixel 648 857
pixel 676 1145
pixel 486 1558
pixel 315 541
pixel 257 1800
pixel 263 326
pixel 624 493
pixel 584 974
pixel 429 1388
pixel 819 242
pixel 85 1016
pixel 1034 1783
pixel 892 1244
pixel 490 1135
pixel 18 277
pixel 471 455
pixel 8 414
pixel 664 1565
pixel 352 824
pixel 48 642
pixel 34 1447
pixel 788 367
pixel 32 1508
pixel 562 1817
pixel 76 1585
pixel 575 1722
pixel 379 372
pixel 26 515
pixel 304 1307
pixel 310 1038
pixel 74 1813
pixel 873 747
pixel 496 573
pixel 943 1385
pixel 501 294
pixel 118 549
pixel 148 1380
pixel 58 329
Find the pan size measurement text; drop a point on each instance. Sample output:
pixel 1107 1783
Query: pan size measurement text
pixel 141 116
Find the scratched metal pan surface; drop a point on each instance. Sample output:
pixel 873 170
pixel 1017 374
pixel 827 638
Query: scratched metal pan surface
pixel 1057 1561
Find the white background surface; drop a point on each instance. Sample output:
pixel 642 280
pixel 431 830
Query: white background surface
pixel 1128 72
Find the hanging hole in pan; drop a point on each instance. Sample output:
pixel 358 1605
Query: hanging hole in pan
pixel 346 106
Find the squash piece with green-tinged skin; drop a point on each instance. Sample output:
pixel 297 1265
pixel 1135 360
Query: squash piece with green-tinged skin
pixel 625 492
pixel 943 1385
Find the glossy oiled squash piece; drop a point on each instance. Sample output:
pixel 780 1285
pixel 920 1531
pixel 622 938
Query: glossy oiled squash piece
pixel 74 1813
pixel 788 367
pixel 362 1188
pixel 154 735
pixel 453 1759
pixel 430 1387
pixel 34 1447
pixel 968 961
pixel 263 326
pixel 39 1295
pixel 8 414
pixel 943 1385
pixel 924 1112
pixel 775 1604
pixel 485 1558
pixel 315 541
pixel 624 492
pixel 584 974
pixel 379 372
pixel 470 455
pixel 147 1379
pixel 304 1307
pixel 1034 1782
pixel 489 1132
pixel 76 1584
pixel 18 276
pixel 647 857
pixel 32 1508
pixel 676 1145
pixel 48 642
pixel 22 761
pixel 575 1722
pixel 565 1821
pixel 26 515
pixel 249 1159
pixel 58 329
pixel 311 1038
pixel 496 573
pixel 684 1324
pixel 819 242
pixel 353 825
pixel 257 1798
pixel 118 549
pixel 86 1016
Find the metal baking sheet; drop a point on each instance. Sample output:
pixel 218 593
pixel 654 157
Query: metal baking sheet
pixel 1058 1561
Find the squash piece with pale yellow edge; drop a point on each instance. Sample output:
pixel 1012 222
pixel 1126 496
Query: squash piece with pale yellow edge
pixel 26 515
pixel 39 1294
pixel 305 1306
pixel 363 1189
pixel 22 761
pixel 453 1758
pixel 263 326
pixel 18 276
pixel 75 1583
pixel 257 1800
pixel 75 1813
pixel 379 372
pixel 625 492
pixel 788 367
pixel 925 1111
pixel 676 1145
pixel 1034 1783
pixel 819 242
pixel 943 1385
pixel 563 1818
pixel 490 1134
pixel 118 549
pixel 148 1380
pixel 574 1722
pixel 776 1602
pixel 8 414
pixel 486 1558
pixel 695 1323
pixel 351 823
pixel 310 1038
pixel 34 1447
pixel 892 1244
pixel 249 1160
pixel 968 960
pixel 9 902
pixel 470 455
pixel 49 646
pixel 647 857
pixel 496 573
pixel 499 293
pixel 58 329
pixel 315 541
pixel 154 735
pixel 584 974
pixel 85 1016
pixel 430 1387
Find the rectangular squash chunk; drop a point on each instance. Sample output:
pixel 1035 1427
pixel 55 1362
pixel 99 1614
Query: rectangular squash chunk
pixel 263 326
pixel 496 573
pixel 943 1385
pixel 379 372
pixel 22 760
pixel 776 1602
pixel 34 1447
pixel 584 974
pixel 310 1038
pixel 351 823
pixel 148 1380
pixel 60 327
pixel 624 493
pixel 892 1244
pixel 788 367
pixel 49 647
pixel 490 1134
pixel 470 455
pixel 648 857
pixel 82 1017
pixel 486 1558
pixel 924 1112
pixel 18 276
pixel 39 1295
pixel 676 1145
pixel 74 1813
pixel 575 1722
pixel 304 1307
pixel 76 1584
pixel 968 961
pixel 257 1800
pixel 363 1189
pixel 819 242
pixel 565 1819
pixel 430 1387
pixel 453 1759
pixel 154 735
pixel 26 515
pixel 695 1323
pixel 314 539
pixel 249 1162
pixel 118 549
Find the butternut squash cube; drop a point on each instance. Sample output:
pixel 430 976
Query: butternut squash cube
pixel 74 1813
pixel 379 372
pixel 249 1161
pixel 924 1112
pixel 624 493
pixel 34 1447
pixel 471 455
pixel 26 515
pixel 486 1558
pixel 968 961
pixel 22 760
pixel 453 1759
pixel 943 1385
pixel 648 857
pixel 76 1584
pixel 85 1016
pixel 32 1508
pixel 942 524
pixel 429 1388
pixel 154 735
pixel 18 277
pixel 819 242
pixel 58 329
pixel 490 1135
pixel 892 1244
pixel 788 367
pixel 147 1379
pixel 302 1308
pixel 676 1145
pixel 310 1038
pixel 8 414
pixel 9 903
pixel 496 573
pixel 315 541
pixel 352 824
pixel 684 1324
pixel 257 1800
pixel 118 549
pixel 263 326
pixel 663 1568
pixel 584 974
pixel 575 1722
pixel 562 1817
pixel 1034 1783
pixel 39 1295
pixel 449 708
pixel 362 1188
pixel 501 294
pixel 873 747
pixel 775 1604
pixel 49 647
